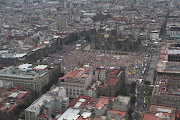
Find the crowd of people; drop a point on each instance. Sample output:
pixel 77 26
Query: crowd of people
pixel 70 58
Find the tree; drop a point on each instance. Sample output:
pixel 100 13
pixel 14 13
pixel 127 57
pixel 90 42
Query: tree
pixel 123 92
pixel 87 37
pixel 133 98
pixel 23 105
pixel 130 111
pixel 133 85
pixel 132 90
pixel 147 100
pixel 148 93
pixel 147 82
pixel 139 117
pixel 127 117
pixel 147 88
pixel 22 115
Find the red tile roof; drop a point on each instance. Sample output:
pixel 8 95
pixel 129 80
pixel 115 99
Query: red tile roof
pixel 112 80
pixel 81 118
pixel 147 116
pixel 74 101
pixel 42 115
pixel 101 103
pixel 121 113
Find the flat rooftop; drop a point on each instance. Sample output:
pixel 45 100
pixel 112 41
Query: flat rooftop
pixel 70 114
pixel 123 100
pixel 160 108
pixel 161 86
pixel 45 98
pixel 159 112
pixel 38 103
pixel 24 71
pixel 165 66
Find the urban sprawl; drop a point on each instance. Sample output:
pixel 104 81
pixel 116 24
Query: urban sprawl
pixel 89 60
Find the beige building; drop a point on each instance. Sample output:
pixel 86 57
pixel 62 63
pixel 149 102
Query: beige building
pixel 26 75
pixel 76 81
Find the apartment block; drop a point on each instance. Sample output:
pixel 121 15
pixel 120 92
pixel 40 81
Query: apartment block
pixel 53 101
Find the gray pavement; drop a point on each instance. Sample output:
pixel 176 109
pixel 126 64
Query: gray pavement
pixel 152 67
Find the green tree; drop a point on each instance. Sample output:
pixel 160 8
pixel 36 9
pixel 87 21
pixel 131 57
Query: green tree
pixel 22 115
pixel 147 88
pixel 139 117
pixel 133 85
pixel 130 111
pixel 87 37
pixel 148 93
pixel 147 100
pixel 132 90
pixel 127 117
pixel 147 82
pixel 23 105
pixel 133 98
pixel 123 92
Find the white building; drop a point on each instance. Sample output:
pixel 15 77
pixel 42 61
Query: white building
pixel 53 101
pixel 154 35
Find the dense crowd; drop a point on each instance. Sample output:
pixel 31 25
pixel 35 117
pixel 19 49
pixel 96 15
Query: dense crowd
pixel 70 58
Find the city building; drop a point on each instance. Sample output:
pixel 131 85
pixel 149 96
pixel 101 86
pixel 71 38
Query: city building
pixel 166 91
pixel 120 103
pixel 112 82
pixel 10 101
pixel 4 86
pixel 30 76
pixel 108 39
pixel 166 88
pixel 53 101
pixel 93 82
pixel 159 112
pixel 95 108
pixel 76 81
pixel 113 114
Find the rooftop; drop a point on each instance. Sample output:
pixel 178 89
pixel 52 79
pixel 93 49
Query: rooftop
pixel 160 108
pixel 159 112
pixel 161 86
pixel 148 116
pixel 11 98
pixel 123 100
pixel 78 73
pixel 119 113
pixel 79 101
pixel 70 114
pixel 102 103
pixel 45 99
pixel 37 104
pixel 166 66
pixel 24 71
